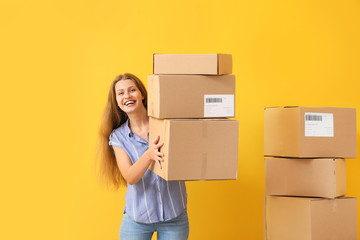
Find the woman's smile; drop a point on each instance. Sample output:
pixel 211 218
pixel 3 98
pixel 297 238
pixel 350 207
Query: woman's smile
pixel 129 103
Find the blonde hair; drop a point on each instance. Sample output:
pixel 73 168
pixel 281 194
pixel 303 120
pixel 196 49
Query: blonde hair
pixel 113 117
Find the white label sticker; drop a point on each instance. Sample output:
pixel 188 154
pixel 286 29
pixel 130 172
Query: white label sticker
pixel 219 105
pixel 319 125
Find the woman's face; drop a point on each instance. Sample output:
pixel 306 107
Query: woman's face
pixel 128 96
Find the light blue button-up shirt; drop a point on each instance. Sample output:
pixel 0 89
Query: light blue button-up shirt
pixel 152 199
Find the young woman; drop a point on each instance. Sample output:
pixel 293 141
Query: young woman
pixel 152 203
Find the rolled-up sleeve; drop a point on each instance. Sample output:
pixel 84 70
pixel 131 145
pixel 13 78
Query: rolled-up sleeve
pixel 115 140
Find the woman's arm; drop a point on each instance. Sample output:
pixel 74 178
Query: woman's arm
pixel 132 173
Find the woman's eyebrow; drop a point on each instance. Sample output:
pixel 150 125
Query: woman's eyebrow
pixel 119 89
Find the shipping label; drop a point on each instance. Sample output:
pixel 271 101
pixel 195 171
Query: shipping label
pixel 319 125
pixel 219 105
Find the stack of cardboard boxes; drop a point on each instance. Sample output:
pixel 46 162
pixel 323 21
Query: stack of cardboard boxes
pixel 190 97
pixel 305 173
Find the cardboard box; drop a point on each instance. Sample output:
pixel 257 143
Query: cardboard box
pixel 310 132
pixel 319 177
pixel 206 64
pixel 191 96
pixel 196 149
pixel 298 218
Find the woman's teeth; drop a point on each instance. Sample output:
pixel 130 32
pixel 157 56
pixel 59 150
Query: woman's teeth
pixel 128 103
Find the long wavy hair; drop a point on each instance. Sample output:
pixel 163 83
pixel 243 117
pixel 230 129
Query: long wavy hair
pixel 113 117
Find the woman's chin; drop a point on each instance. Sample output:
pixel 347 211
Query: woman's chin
pixel 132 109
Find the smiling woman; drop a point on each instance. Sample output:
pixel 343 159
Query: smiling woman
pixel 152 203
pixel 114 117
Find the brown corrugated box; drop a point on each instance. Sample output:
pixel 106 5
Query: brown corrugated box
pixel 196 149
pixel 206 64
pixel 326 132
pixel 191 96
pixel 296 218
pixel 305 177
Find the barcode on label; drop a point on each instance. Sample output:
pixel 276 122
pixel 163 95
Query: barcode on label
pixel 219 105
pixel 213 100
pixel 313 117
pixel 319 124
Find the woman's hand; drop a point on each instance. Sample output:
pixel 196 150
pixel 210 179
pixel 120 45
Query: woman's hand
pixel 154 153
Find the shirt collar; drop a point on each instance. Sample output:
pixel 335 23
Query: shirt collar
pixel 127 128
pixel 131 133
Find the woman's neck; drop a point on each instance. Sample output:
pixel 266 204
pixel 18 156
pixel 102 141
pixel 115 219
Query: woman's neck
pixel 139 123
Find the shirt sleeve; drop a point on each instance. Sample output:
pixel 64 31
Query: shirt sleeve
pixel 115 140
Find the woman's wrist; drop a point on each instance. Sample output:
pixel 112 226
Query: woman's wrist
pixel 148 158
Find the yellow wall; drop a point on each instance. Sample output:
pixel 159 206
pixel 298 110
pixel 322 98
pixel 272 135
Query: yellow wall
pixel 57 59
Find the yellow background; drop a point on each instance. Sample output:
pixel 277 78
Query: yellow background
pixel 57 59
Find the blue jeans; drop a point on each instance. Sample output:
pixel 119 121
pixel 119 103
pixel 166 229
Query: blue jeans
pixel 174 229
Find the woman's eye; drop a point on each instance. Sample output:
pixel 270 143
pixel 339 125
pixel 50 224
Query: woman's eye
pixel 120 93
pixel 132 90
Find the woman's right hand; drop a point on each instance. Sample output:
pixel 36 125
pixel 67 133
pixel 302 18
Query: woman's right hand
pixel 154 153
